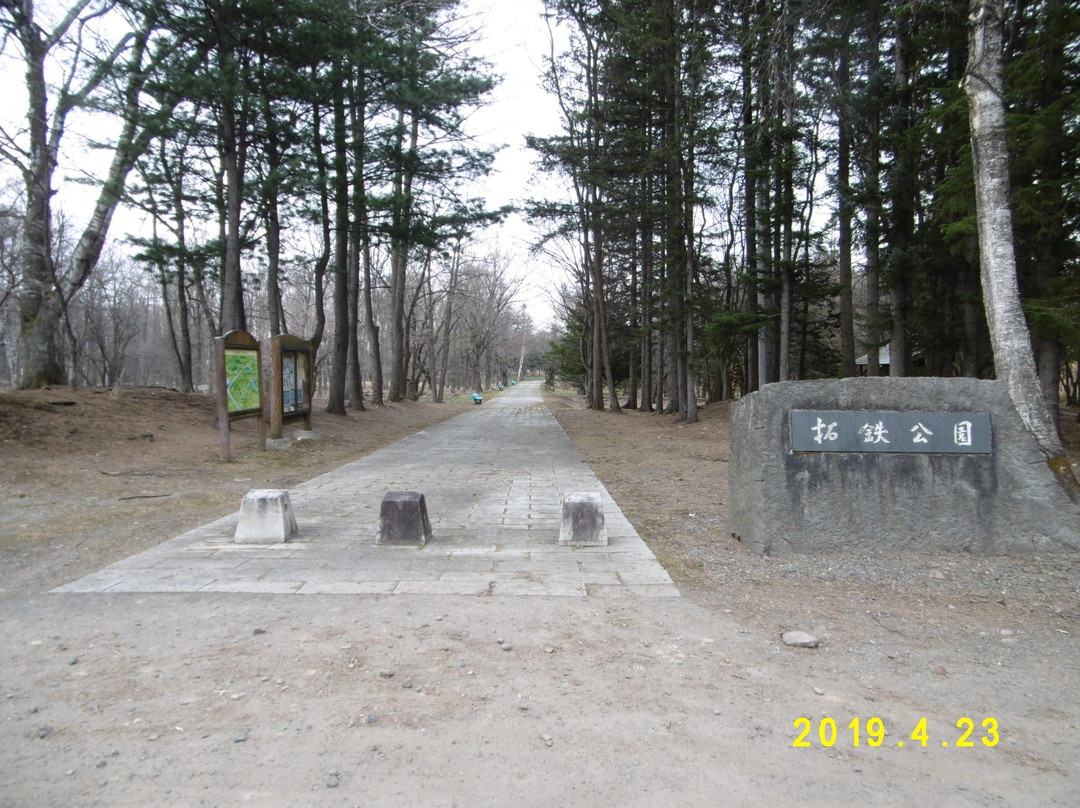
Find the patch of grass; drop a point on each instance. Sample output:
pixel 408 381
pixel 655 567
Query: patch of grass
pixel 12 400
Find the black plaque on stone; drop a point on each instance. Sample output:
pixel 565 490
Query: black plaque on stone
pixel 896 432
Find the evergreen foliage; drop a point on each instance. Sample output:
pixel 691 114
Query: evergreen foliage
pixel 760 190
pixel 788 186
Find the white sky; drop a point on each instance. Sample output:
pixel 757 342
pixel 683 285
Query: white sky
pixel 514 40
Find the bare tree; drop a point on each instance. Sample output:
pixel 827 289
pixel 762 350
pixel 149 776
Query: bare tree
pixel 9 243
pixel 90 79
pixel 10 235
pixel 108 316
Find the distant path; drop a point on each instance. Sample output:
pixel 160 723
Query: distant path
pixel 493 478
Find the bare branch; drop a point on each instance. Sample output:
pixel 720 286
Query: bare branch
pixel 11 152
pixel 62 27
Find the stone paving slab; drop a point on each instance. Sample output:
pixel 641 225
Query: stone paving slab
pixel 493 479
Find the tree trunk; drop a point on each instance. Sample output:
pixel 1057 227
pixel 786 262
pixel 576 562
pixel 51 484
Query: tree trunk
pixel 323 261
pixel 690 408
pixel 871 169
pixel 182 304
pixel 44 292
pixel 180 343
pixel 363 231
pixel 275 312
pixel 399 252
pixel 339 359
pixel 755 376
pixel 785 182
pixel 1013 359
pixel 233 315
pixel 39 311
pixel 646 309
pixel 596 349
pixel 844 207
pixel 447 324
pixel 354 377
pixel 660 372
pixel 634 345
pixel 605 340
pixel 904 191
pixel 374 348
pixel 647 356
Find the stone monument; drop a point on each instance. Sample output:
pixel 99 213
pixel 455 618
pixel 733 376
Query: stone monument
pixel 923 464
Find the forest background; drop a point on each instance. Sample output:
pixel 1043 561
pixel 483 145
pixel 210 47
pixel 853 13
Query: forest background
pixel 745 192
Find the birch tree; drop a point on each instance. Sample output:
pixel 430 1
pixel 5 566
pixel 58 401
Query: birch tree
pixel 1013 358
pixel 113 78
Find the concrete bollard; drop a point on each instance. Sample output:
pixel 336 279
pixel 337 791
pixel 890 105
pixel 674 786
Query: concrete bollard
pixel 403 519
pixel 583 521
pixel 266 517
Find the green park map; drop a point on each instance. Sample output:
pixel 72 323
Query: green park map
pixel 242 380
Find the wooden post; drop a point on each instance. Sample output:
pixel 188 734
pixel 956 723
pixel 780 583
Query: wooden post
pixel 274 392
pixel 222 396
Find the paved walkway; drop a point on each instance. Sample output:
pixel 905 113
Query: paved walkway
pixel 493 478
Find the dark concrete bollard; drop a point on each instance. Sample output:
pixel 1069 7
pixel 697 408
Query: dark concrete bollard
pixel 403 519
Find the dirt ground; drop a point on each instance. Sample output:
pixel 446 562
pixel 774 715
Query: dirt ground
pixel 334 700
pixel 90 476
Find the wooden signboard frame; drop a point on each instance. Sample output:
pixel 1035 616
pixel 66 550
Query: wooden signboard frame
pixel 291 371
pixel 238 369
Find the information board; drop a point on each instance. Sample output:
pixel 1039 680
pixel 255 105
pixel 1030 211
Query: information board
pixel 293 375
pixel 290 386
pixel 242 380
pixel 896 432
pixel 238 370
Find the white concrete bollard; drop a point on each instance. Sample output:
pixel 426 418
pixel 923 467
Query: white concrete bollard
pixel 583 521
pixel 266 517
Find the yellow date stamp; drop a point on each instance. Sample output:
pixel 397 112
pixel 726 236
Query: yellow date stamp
pixel 872 732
